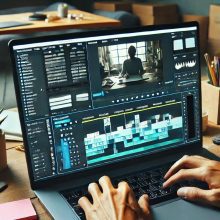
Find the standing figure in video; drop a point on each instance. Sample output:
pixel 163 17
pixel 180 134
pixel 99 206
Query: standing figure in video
pixel 133 66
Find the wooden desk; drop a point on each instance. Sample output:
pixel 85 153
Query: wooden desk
pixel 17 178
pixel 89 21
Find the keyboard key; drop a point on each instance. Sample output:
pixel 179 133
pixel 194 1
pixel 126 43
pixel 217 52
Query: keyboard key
pixel 79 212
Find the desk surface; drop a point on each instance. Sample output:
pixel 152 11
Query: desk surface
pixel 89 21
pixel 17 177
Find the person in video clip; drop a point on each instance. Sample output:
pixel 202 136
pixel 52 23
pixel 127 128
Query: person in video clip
pixel 132 66
pixel 119 203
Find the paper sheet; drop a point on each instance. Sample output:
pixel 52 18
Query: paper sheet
pixel 11 126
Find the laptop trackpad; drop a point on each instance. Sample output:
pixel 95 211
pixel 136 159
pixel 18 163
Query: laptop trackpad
pixel 183 210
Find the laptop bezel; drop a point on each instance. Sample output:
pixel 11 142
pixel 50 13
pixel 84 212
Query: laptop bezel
pixel 50 182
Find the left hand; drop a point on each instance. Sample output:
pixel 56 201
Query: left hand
pixel 114 203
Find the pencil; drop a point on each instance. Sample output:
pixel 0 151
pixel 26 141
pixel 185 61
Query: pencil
pixel 208 72
pixel 2 120
pixel 212 76
pixel 1 110
pixel 216 65
pixel 218 71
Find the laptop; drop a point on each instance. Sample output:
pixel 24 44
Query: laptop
pixel 77 128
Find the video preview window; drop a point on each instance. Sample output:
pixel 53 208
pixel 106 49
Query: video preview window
pixel 125 64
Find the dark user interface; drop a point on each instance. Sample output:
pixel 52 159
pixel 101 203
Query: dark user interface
pixel 97 101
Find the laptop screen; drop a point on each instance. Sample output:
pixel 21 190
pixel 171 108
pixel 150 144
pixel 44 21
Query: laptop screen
pixel 104 98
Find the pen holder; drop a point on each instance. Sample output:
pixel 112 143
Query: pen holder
pixel 211 101
pixel 3 156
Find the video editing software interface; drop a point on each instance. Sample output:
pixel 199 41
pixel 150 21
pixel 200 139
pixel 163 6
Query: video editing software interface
pixel 104 99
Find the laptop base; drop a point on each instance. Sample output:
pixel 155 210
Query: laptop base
pixel 171 209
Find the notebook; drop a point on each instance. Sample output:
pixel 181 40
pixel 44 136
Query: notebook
pixel 19 210
pixel 10 24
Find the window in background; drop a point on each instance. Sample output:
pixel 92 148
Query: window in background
pixel 119 53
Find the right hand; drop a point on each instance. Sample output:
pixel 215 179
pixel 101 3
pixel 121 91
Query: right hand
pixel 199 168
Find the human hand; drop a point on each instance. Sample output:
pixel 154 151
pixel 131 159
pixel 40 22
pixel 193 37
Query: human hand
pixel 199 168
pixel 111 203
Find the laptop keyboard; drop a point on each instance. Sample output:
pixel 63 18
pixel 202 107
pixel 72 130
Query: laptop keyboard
pixel 149 181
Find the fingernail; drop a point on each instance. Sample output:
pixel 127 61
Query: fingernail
pixel 164 185
pixel 166 174
pixel 182 192
pixel 146 196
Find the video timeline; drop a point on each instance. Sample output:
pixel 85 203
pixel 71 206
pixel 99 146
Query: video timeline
pixel 133 132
